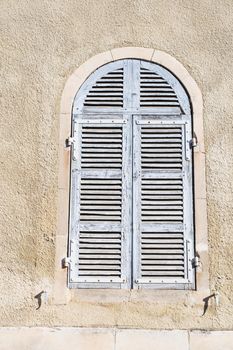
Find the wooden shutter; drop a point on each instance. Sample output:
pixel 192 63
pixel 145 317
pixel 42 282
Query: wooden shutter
pixel 131 221
pixel 99 205
pixel 163 237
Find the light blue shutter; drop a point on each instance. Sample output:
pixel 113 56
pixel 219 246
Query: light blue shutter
pixel 99 204
pixel 163 233
pixel 131 221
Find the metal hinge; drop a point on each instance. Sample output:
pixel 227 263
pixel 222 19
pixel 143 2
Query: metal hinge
pixel 193 142
pixel 70 141
pixel 196 261
pixel 66 261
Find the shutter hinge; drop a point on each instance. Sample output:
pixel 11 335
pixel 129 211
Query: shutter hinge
pixel 193 142
pixel 196 262
pixel 66 261
pixel 70 141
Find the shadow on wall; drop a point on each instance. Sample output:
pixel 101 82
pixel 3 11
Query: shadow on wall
pixel 42 296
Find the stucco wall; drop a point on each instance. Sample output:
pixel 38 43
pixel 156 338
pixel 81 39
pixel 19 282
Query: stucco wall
pixel 42 43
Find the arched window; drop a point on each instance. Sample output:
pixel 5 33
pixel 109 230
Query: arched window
pixel 131 203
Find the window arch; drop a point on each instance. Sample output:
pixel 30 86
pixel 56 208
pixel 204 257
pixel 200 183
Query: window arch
pixel 77 82
pixel 131 192
pixel 132 84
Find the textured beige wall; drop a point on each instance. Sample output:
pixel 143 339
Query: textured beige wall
pixel 42 43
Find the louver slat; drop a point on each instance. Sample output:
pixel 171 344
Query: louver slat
pixel 101 147
pixel 166 145
pixel 99 254
pixel 93 208
pixel 100 205
pixel 162 256
pixel 107 91
pixel 155 91
pixel 161 236
pixel 162 202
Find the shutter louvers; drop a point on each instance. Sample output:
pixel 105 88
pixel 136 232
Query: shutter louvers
pixel 161 149
pixel 162 200
pixel 161 231
pixel 100 210
pixel 106 91
pixel 101 147
pixel 162 254
pixel 99 254
pixel 100 199
pixel 155 91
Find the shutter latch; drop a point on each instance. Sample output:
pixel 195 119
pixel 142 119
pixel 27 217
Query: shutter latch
pixel 66 261
pixel 70 141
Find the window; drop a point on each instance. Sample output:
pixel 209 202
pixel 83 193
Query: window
pixel 131 206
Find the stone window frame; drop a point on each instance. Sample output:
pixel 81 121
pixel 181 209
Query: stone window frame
pixel 61 293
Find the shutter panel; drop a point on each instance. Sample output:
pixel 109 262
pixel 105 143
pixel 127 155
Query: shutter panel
pixel 163 204
pixel 99 213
